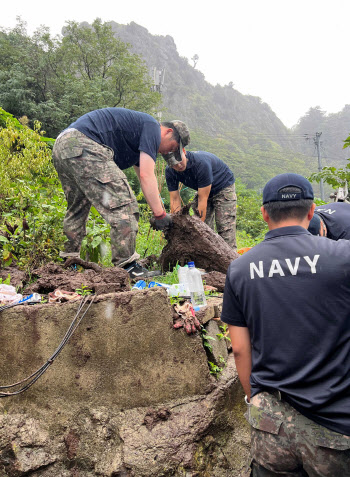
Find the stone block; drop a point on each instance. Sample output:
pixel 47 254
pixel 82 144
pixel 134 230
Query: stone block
pixel 124 353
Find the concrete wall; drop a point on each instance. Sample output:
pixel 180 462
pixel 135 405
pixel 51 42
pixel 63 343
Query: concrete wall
pixel 127 396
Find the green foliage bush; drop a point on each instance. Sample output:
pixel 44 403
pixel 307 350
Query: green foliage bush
pixel 335 177
pixel 23 156
pixel 33 205
pixel 56 80
pixel 250 223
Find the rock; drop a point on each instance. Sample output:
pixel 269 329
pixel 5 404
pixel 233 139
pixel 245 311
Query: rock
pixel 190 239
pixel 129 396
pixel 218 353
pixel 216 279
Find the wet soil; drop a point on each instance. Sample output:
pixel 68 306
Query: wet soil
pixel 189 239
pixel 54 276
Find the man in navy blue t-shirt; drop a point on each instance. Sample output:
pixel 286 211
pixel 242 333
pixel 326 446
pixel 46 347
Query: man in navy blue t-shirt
pixel 287 304
pixel 332 221
pixel 214 181
pixel 90 156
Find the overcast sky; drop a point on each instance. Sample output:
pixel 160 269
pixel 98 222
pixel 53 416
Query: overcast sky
pixel 293 54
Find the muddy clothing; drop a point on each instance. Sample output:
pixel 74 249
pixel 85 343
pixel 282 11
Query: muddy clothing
pixel 89 157
pixel 292 291
pixel 286 443
pixel 222 208
pixel 89 176
pixel 202 170
pixel 336 217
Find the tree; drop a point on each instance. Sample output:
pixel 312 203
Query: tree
pixel 336 177
pixel 56 80
pixel 195 59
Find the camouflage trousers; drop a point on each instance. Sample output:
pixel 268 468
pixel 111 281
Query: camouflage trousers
pixel 89 176
pixel 284 442
pixel 222 207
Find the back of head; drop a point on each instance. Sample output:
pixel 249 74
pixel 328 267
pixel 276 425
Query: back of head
pixel 315 225
pixel 288 196
pixel 181 134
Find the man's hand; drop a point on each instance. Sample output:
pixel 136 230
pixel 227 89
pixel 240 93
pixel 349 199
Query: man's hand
pixel 161 222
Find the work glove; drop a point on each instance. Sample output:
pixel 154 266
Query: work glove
pixel 186 318
pixel 161 222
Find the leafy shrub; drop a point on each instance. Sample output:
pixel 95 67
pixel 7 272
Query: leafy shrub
pixel 249 218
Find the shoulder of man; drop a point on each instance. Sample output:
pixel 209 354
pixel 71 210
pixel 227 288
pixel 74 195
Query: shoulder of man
pixel 169 172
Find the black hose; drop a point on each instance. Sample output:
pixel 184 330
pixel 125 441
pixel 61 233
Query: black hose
pixel 39 372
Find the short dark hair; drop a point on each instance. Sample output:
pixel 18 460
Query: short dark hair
pixel 176 135
pixel 291 209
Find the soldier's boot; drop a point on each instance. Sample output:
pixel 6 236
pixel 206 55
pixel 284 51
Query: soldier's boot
pixel 137 271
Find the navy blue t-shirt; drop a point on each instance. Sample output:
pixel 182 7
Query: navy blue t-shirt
pixel 203 169
pixel 292 291
pixel 336 216
pixel 125 131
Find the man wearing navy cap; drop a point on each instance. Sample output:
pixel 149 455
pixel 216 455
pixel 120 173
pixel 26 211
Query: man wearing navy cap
pixel 90 156
pixel 332 221
pixel 287 304
pixel 215 185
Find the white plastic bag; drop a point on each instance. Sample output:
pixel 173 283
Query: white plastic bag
pixel 8 294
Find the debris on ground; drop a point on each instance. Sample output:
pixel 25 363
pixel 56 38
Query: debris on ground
pixel 8 294
pixel 215 279
pixel 209 288
pixel 190 239
pixel 53 276
pixel 185 317
pixel 60 296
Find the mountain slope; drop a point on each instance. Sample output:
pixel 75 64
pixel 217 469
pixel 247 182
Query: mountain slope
pixel 240 129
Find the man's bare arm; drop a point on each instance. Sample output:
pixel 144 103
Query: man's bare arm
pixel 137 170
pixel 241 348
pixel 175 201
pixel 149 183
pixel 203 194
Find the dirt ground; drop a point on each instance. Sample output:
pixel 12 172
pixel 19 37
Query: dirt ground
pixel 189 239
pixel 54 276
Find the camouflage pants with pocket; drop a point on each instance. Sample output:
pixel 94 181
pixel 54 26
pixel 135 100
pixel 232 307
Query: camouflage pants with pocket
pixel 286 443
pixel 89 176
pixel 222 208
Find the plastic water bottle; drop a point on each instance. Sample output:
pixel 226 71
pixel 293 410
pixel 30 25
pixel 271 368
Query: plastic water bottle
pixel 182 273
pixel 196 286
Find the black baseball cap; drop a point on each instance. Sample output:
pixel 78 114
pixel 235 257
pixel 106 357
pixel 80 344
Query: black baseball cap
pixel 315 225
pixel 173 158
pixel 271 192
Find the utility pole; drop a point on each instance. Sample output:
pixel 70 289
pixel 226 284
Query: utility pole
pixel 158 82
pixel 317 144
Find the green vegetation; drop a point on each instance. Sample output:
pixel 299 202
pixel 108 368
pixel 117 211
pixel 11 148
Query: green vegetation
pixel 216 370
pixel 335 177
pixel 6 281
pixel 224 334
pixel 84 290
pixel 32 206
pixel 56 80
pixel 206 339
